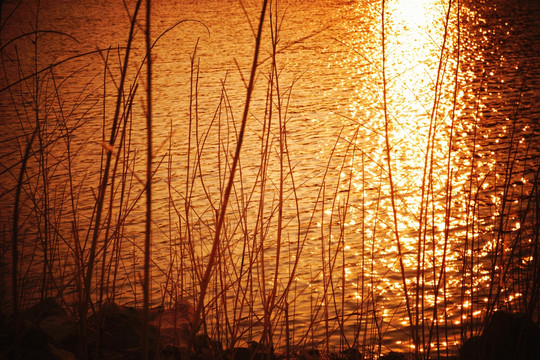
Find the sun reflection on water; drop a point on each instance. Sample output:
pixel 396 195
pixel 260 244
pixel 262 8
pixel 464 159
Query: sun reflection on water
pixel 421 83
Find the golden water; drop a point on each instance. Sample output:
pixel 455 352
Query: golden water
pixel 445 115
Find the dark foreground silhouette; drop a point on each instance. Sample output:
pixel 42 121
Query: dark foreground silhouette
pixel 45 331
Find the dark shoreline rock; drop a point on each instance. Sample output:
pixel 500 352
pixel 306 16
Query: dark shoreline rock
pixel 45 331
pixel 506 336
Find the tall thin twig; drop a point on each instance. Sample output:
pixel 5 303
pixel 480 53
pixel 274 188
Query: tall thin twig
pixel 148 229
pixel 211 260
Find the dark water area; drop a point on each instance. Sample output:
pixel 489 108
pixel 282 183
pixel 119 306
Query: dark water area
pixel 508 77
pixel 415 261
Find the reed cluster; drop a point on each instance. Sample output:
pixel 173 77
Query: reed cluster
pixel 239 247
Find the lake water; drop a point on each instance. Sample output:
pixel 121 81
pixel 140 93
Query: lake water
pixel 315 215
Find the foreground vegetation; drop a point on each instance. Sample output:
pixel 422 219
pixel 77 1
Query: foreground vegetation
pixel 104 265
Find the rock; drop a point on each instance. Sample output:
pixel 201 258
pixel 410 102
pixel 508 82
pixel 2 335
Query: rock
pixel 469 348
pixel 32 337
pixel 240 353
pixel 171 352
pixel 174 324
pixel 59 328
pixel 311 354
pixel 174 336
pixel 251 352
pixel 41 330
pixel 61 354
pixel 394 356
pixel 121 328
pixel 506 336
pixel 351 354
pixel 43 309
pixel 34 343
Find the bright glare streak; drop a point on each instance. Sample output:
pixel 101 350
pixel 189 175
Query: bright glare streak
pixel 412 12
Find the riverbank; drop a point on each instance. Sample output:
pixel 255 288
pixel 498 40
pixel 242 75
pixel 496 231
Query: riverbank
pixel 46 331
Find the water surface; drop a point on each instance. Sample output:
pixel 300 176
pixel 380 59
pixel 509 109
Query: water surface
pixel 452 123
